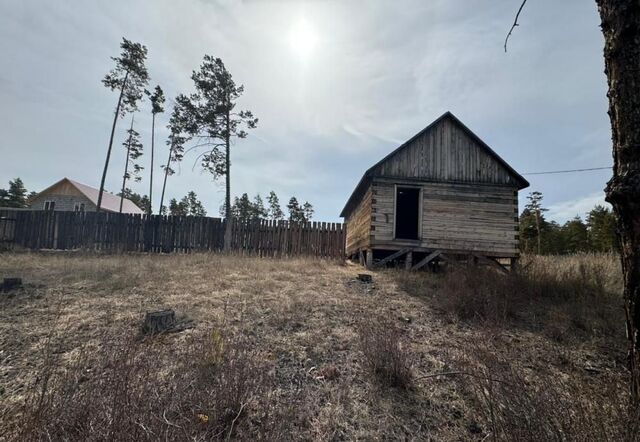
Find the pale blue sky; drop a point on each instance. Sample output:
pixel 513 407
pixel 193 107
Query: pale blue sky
pixel 336 85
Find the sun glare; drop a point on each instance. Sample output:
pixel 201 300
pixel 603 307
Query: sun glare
pixel 303 38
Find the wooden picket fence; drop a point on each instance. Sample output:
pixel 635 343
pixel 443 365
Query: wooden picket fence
pixel 116 232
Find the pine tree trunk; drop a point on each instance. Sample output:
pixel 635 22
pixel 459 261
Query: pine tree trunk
pixel 227 201
pixel 166 174
pixel 113 130
pixel 126 168
pixel 621 29
pixel 153 131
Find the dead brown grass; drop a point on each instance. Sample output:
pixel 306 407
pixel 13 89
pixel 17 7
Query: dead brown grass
pixel 277 352
pixel 516 404
pixel 385 354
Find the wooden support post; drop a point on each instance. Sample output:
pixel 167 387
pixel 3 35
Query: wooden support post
pixel 391 257
pixel 492 262
pixel 369 258
pixel 360 257
pixel 430 257
pixel 408 262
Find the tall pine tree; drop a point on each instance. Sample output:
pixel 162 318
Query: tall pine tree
pixel 134 151
pixel 180 125
pixel 274 210
pixel 157 106
pixel 217 122
pixel 129 77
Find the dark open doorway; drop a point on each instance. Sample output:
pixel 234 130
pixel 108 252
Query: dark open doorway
pixel 407 212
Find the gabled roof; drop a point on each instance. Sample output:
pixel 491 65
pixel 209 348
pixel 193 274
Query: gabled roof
pixel 110 202
pixel 366 178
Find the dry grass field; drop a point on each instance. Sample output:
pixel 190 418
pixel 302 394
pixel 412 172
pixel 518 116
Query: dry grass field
pixel 299 349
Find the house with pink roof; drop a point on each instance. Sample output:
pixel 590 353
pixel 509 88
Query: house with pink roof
pixel 69 195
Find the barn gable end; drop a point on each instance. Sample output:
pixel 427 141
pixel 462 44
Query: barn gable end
pixel 447 151
pixel 444 151
pixel 443 191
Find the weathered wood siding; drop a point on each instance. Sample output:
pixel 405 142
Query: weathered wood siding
pixel 457 217
pixel 359 225
pixel 446 153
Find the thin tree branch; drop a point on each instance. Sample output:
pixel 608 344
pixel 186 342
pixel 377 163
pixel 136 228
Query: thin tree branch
pixel 234 421
pixel 195 162
pixel 515 23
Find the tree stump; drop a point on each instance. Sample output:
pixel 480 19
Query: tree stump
pixel 9 284
pixel 364 277
pixel 158 322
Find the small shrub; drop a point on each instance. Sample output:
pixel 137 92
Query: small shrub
pixel 142 390
pixel 564 299
pixel 539 407
pixel 385 356
pixel 478 293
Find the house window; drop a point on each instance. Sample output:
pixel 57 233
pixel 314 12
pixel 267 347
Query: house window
pixel 49 205
pixel 407 213
pixel 78 207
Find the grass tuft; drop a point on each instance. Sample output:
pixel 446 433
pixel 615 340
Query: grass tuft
pixel 385 354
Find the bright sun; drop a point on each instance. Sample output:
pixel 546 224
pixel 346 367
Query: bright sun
pixel 302 38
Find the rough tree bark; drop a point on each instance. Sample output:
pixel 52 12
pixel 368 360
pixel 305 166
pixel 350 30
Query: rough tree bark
pixel 621 29
pixel 227 198
pixel 153 136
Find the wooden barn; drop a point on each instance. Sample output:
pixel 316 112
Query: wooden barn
pixel 443 194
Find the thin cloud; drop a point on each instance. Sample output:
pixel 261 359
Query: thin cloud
pixel 377 74
pixel 566 210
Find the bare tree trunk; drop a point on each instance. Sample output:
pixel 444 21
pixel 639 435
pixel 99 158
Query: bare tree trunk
pixel 126 167
pixel 538 230
pixel 621 29
pixel 153 131
pixel 166 173
pixel 113 130
pixel 227 200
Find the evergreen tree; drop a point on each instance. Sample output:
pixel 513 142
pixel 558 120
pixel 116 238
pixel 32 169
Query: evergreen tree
pixel 213 106
pixel 4 198
pixel 601 228
pixel 193 204
pixel 189 205
pixel 157 106
pixel 141 201
pixel 130 77
pixel 15 196
pixel 274 211
pixel 134 151
pixel 179 124
pixel 17 193
pixel 535 209
pixel 242 208
pixel 295 213
pixel 527 231
pixel 552 238
pixel 299 213
pixel 307 211
pixel 177 208
pixel 259 211
pixel 575 236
